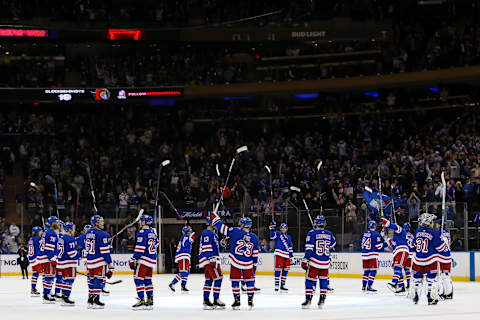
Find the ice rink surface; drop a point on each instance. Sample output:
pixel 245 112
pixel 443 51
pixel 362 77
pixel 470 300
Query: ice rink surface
pixel 346 302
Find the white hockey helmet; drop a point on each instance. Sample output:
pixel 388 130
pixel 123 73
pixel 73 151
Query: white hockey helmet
pixel 426 219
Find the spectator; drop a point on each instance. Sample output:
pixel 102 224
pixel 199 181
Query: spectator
pixel 22 260
pixel 4 246
pixel 14 230
pixel 413 203
pixel 351 217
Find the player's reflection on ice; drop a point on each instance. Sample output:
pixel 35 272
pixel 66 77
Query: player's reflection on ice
pixel 346 302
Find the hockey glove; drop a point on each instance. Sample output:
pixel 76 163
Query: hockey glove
pixel 385 223
pixel 304 264
pixel 213 263
pixel 109 273
pixel 272 226
pixel 215 218
pixel 132 263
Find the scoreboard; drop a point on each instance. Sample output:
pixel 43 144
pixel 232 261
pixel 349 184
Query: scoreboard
pixel 88 95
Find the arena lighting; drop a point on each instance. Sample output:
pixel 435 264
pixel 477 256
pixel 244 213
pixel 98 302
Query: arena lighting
pixel 306 95
pixel 124 34
pixel 237 98
pixel 166 102
pixel 434 89
pixel 23 33
pixel 372 94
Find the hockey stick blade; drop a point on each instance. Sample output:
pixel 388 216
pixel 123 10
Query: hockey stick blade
pixel 165 163
pixel 319 165
pixel 293 188
pixel 140 213
pixel 242 149
pixel 268 169
pixel 50 179
pixel 107 282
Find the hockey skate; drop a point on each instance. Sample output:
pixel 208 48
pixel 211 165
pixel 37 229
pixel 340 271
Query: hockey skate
pixel 140 305
pixel 321 301
pixel 207 305
pixel 283 289
pixel 97 304
pixel 306 304
pixel 392 287
pixel 149 303
pixel 90 302
pixel 172 287
pixel 34 293
pixel 57 296
pixel 250 301
pixel 236 303
pixel 431 301
pixel 415 298
pixel 449 296
pixel 66 302
pixel 218 304
pixel 400 291
pixel 47 299
pixel 364 289
pixel 184 289
pixel 371 290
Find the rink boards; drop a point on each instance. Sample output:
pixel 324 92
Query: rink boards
pixel 466 265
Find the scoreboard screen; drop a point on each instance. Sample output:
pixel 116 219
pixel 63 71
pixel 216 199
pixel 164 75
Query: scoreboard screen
pixel 88 95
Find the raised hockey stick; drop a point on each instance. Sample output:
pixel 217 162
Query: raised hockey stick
pixel 393 206
pixel 238 151
pixel 380 192
pixel 319 166
pixel 127 226
pixel 444 192
pixel 92 191
pixel 54 182
pixel 107 282
pixel 173 207
pixel 163 164
pixel 35 186
pixel 298 190
pixel 271 192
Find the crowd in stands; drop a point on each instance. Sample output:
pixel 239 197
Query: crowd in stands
pixel 415 44
pixel 193 12
pixel 9 237
pixel 412 49
pixel 183 66
pixel 125 147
